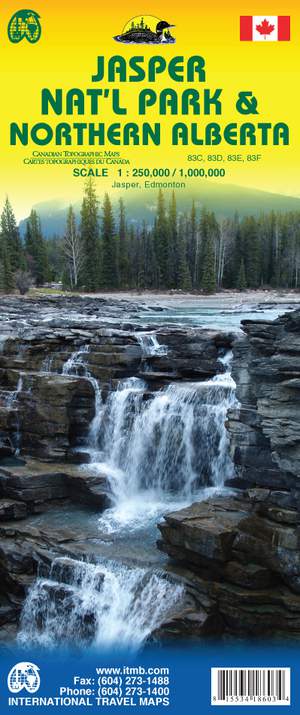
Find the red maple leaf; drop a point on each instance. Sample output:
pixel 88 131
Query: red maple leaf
pixel 265 28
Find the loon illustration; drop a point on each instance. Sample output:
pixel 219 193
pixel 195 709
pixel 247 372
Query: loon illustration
pixel 144 35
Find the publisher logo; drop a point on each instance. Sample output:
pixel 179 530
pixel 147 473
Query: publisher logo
pixel 24 676
pixel 24 24
pixel 147 30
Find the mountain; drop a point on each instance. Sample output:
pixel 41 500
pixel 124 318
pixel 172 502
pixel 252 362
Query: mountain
pixel 140 206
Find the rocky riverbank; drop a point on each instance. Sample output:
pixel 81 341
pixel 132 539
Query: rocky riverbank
pixel 55 353
pixel 233 559
pixel 242 551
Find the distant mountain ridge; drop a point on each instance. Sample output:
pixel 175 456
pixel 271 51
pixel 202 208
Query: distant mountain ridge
pixel 224 200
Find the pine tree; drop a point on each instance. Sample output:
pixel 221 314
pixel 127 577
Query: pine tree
pixel 89 233
pixel 252 251
pixel 133 258
pixel 109 246
pixel 192 246
pixel 10 234
pixel 173 252
pixel 57 261
pixel 209 282
pixel 276 255
pixel 206 268
pixel 234 254
pixel 7 274
pixel 151 271
pixel 142 278
pixel 241 282
pixel 36 249
pixel 184 281
pixel 123 257
pixel 265 227
pixel 161 242
pixel 140 259
pixel 1 276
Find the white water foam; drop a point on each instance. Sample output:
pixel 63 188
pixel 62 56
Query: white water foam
pixel 12 397
pixel 76 362
pixel 150 345
pixel 46 365
pixel 120 611
pixel 11 402
pixel 76 365
pixel 160 452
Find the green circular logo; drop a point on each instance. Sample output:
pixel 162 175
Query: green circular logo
pixel 24 23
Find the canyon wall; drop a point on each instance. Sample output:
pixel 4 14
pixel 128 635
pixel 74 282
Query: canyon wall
pixel 56 355
pixel 241 551
pixel 237 553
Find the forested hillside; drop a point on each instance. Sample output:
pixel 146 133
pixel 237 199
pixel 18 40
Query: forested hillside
pixel 188 251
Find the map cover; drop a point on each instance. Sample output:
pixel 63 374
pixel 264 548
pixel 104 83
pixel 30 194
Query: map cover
pixel 149 357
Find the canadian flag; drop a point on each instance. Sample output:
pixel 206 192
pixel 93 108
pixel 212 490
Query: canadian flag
pixel 261 28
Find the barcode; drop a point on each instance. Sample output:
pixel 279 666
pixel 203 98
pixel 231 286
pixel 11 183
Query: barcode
pixel 250 686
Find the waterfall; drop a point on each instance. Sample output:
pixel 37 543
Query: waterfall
pixel 150 345
pixel 12 397
pixel 76 365
pixel 46 365
pixel 175 441
pixel 115 420
pixel 107 605
pixel 226 361
pixel 11 402
pixel 96 421
pixel 160 451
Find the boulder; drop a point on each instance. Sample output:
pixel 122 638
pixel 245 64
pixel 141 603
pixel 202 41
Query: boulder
pixel 245 547
pixel 76 573
pixel 26 487
pixel 264 428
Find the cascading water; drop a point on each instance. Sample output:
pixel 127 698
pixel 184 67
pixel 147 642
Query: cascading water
pixel 76 362
pixel 46 365
pixel 150 345
pixel 76 365
pixel 159 452
pixel 12 397
pixel 106 605
pixel 11 403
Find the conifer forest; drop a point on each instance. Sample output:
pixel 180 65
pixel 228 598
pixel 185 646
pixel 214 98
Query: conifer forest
pixel 104 249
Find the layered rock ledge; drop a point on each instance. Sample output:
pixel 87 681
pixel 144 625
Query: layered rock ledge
pixel 242 549
pixel 238 552
pixel 46 408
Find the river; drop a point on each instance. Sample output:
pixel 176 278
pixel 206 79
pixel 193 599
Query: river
pixel 160 452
